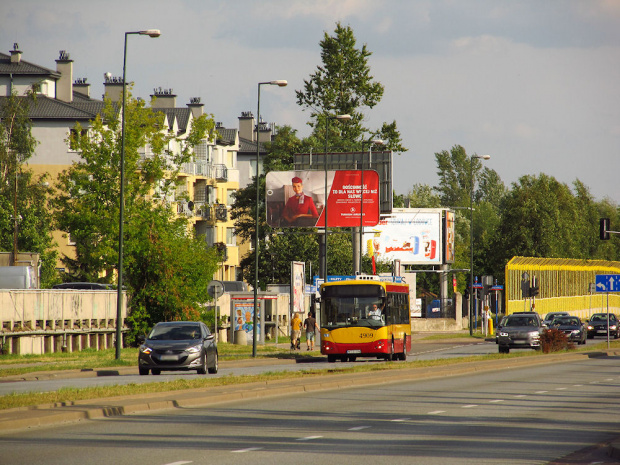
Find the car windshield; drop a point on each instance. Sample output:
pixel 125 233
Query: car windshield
pixel 175 332
pixel 566 321
pixel 603 317
pixel 521 321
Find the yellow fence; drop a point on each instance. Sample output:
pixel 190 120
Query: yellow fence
pixel 564 285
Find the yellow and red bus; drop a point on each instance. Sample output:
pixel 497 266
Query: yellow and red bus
pixel 352 327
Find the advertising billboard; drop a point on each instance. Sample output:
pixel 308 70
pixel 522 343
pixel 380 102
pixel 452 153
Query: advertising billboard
pixel 449 250
pixel 298 287
pixel 297 198
pixel 412 236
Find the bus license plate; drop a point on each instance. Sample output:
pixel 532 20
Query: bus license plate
pixel 357 351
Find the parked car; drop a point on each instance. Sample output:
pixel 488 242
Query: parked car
pixel 178 345
pixel 572 326
pixel 597 325
pixel 551 315
pixel 521 330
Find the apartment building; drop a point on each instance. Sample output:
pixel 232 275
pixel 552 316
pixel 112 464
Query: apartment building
pixel 207 183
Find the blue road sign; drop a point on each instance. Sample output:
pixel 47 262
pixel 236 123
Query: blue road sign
pixel 608 283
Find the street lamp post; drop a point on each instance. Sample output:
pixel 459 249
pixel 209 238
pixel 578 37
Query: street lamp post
pixel 280 83
pixel 119 292
pixel 361 236
pixel 471 237
pixel 324 254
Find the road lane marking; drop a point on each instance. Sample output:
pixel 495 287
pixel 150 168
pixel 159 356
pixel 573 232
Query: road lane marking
pixel 178 463
pixel 308 438
pixel 560 389
pixel 496 400
pixel 401 419
pixel 358 428
pixel 521 395
pixel 541 392
pixel 243 451
pixel 436 412
pixel 469 406
pixel 577 385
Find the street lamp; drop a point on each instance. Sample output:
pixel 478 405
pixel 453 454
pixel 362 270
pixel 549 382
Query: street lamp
pixel 119 291
pixel 280 83
pixel 324 255
pixel 471 236
pixel 361 233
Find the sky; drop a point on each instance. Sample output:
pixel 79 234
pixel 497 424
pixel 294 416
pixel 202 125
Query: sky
pixel 534 84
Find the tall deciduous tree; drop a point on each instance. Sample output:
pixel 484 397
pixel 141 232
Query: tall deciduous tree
pixel 23 195
pixel 167 270
pixel 343 84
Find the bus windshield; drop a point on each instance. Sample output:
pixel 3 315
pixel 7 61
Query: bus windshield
pixel 344 311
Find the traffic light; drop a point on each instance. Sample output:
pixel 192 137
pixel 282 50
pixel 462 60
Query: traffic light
pixel 534 287
pixel 604 231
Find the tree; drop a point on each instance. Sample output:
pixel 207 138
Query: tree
pixel 166 267
pixel 343 85
pixel 539 218
pixel 23 195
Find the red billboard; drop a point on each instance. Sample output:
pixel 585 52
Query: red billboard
pixel 297 198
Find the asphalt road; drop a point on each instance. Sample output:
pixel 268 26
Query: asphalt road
pixel 422 350
pixel 527 415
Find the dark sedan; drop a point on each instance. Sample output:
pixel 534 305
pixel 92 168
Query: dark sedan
pixel 572 326
pixel 597 325
pixel 178 345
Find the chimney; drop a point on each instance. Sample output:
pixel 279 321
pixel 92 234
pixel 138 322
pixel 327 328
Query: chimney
pixel 113 87
pixel 164 98
pixel 64 85
pixel 81 87
pixel 246 126
pixel 265 131
pixel 196 107
pixel 16 54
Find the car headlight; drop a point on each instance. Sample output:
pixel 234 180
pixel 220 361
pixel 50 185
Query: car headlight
pixel 194 349
pixel 612 327
pixel 145 349
pixel 534 334
pixel 576 331
pixel 503 333
pixel 590 327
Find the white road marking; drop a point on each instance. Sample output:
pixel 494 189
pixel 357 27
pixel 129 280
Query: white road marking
pixel 540 392
pixel 358 428
pixel 577 385
pixel 521 395
pixel 243 451
pixel 469 406
pixel 560 389
pixel 436 412
pixel 496 400
pixel 308 438
pixel 401 419
pixel 178 463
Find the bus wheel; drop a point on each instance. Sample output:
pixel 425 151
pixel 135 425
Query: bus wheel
pixel 331 358
pixel 343 358
pixel 352 358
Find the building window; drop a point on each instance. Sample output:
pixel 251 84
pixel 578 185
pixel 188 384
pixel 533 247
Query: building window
pixel 230 199
pixel 231 239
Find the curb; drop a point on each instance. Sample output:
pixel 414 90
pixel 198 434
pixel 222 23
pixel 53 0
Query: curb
pixel 12 420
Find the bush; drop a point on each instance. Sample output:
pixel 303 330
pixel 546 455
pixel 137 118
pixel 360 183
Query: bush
pixel 554 340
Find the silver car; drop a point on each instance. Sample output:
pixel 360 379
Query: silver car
pixel 178 345
pixel 520 331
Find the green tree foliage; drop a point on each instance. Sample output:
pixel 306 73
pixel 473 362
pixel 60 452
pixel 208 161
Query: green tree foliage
pixel 167 269
pixel 540 218
pixel 343 84
pixel 22 191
